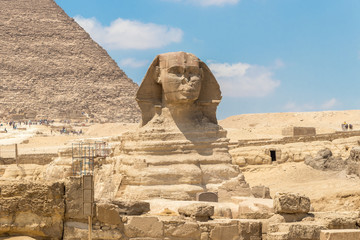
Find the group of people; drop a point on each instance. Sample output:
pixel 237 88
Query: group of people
pixel 346 126
pixel 73 132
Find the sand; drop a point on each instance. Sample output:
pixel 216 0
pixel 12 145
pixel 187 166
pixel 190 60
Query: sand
pixel 328 190
pixel 270 125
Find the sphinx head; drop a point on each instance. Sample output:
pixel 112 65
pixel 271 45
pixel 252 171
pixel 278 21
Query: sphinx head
pixel 180 76
pixel 176 79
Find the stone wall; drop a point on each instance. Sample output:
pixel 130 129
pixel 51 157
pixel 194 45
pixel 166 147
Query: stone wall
pixel 299 131
pixel 35 210
pixel 40 159
pixel 293 149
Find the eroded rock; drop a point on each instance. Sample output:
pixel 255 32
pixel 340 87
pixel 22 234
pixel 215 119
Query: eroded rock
pixel 199 211
pixel 291 203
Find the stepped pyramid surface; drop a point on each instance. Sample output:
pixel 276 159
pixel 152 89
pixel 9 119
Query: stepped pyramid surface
pixel 50 67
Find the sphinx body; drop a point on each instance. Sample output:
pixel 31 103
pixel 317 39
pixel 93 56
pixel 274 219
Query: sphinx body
pixel 179 149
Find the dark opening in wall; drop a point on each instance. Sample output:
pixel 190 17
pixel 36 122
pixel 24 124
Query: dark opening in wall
pixel 273 155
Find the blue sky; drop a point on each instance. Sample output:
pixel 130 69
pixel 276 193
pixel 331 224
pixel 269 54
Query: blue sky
pixel 267 55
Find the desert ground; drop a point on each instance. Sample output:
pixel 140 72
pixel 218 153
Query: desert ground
pixel 270 125
pixel 328 190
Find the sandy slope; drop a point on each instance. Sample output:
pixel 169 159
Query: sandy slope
pixel 328 190
pixel 270 125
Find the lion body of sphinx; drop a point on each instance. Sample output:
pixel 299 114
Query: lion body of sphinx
pixel 179 150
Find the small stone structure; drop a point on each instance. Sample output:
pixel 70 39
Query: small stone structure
pixel 299 131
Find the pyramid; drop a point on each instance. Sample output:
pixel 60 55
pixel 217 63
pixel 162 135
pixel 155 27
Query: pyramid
pixel 51 68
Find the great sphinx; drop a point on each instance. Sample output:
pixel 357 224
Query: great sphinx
pixel 179 149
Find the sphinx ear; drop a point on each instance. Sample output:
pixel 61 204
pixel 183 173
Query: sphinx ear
pixel 210 94
pixel 150 92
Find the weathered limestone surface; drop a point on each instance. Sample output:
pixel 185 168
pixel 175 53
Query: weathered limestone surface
pixel 261 192
pixel 291 203
pixel 74 200
pixel 199 211
pixel 132 207
pixel 299 131
pixel 254 208
pixel 324 160
pixel 179 150
pixel 50 67
pixel 338 220
pixel 295 231
pixel 35 210
pixel 353 162
pixel 293 149
pixel 345 234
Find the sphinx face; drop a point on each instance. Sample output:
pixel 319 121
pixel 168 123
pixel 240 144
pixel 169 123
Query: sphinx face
pixel 180 77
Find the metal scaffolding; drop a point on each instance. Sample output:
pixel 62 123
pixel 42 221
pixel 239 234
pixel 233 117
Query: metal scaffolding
pixel 83 155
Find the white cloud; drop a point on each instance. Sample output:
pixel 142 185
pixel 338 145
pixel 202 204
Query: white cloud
pixel 129 34
pixel 132 62
pixel 329 104
pixel 206 3
pixel 244 80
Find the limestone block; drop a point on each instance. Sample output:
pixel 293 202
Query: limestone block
pixel 355 154
pixel 250 230
pixel 204 236
pixel 295 217
pixel 207 197
pixel 199 211
pixel 353 168
pixel 189 230
pixel 276 218
pixel 155 175
pixel 238 160
pixel 108 213
pixel 143 227
pixel 32 209
pixel 345 234
pixel 338 220
pixel 73 198
pixel 301 231
pixel 254 208
pixel 234 187
pixel 224 212
pixel 260 191
pixel 176 192
pixel 291 203
pixel 132 207
pixel 230 232
pixel 216 173
pixel 77 230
